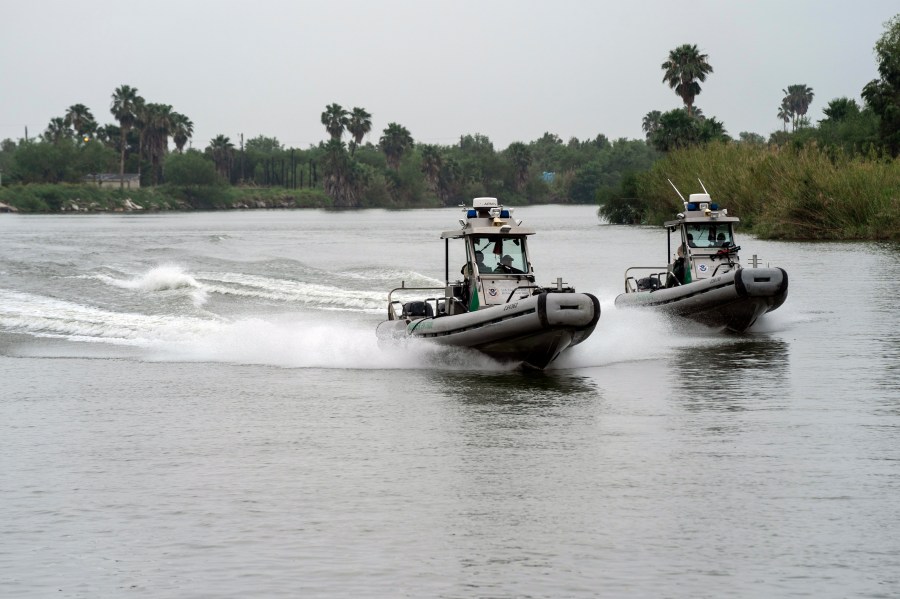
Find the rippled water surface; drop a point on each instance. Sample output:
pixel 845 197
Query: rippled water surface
pixel 194 405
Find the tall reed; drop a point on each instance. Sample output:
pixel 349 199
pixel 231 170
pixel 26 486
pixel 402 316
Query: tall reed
pixel 786 193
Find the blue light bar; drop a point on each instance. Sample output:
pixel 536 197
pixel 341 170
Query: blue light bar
pixel 713 206
pixel 692 205
pixel 471 214
pixel 504 213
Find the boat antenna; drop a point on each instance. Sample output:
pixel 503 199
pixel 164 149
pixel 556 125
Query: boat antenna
pixel 703 186
pixel 676 190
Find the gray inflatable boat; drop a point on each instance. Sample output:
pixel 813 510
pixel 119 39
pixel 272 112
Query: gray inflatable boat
pixel 705 281
pixel 496 307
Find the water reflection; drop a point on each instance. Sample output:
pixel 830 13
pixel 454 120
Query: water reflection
pixel 524 390
pixel 731 376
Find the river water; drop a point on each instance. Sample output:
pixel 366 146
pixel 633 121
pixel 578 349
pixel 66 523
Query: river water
pixel 194 405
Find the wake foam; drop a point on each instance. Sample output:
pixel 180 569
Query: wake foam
pixel 316 339
pixel 624 335
pixel 201 286
pixel 297 340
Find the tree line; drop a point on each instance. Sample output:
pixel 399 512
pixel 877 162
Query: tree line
pixel 394 170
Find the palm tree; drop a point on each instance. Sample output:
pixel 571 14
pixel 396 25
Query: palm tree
pixel 156 131
pixel 685 67
pixel 520 157
pixel 124 104
pixel 785 113
pixel 140 121
pixel 651 123
pixel 182 130
pixel 431 166
pixel 337 170
pixel 57 130
pixel 451 176
pixel 359 124
pixel 335 119
pixel 107 135
pixel 677 129
pixel 221 150
pixel 395 141
pixel 798 97
pixel 840 109
pixel 79 117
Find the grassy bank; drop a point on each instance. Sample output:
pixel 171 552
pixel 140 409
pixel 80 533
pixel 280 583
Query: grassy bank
pixel 785 193
pixel 88 198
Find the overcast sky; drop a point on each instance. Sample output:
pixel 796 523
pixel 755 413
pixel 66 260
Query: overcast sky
pixel 510 70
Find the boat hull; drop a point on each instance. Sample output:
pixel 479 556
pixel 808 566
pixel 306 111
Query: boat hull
pixel 532 331
pixel 732 301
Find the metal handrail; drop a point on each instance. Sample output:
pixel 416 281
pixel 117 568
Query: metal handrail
pixel 660 272
pixel 404 288
pixel 391 302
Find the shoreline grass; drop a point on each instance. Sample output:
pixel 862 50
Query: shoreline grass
pixel 788 193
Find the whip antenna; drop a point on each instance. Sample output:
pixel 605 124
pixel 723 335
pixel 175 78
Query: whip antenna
pixel 703 186
pixel 676 190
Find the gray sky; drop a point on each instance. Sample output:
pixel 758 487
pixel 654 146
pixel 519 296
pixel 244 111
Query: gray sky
pixel 510 70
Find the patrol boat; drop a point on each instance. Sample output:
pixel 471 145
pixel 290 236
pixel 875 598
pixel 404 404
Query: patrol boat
pixel 496 307
pixel 705 282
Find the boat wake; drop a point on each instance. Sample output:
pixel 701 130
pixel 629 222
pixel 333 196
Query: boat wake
pixel 60 328
pixel 161 278
pixel 308 326
pixel 201 287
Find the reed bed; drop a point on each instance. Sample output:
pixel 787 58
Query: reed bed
pixel 782 193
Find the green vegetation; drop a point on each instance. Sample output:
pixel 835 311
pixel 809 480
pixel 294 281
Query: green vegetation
pixel 837 179
pixel 781 193
pixel 43 198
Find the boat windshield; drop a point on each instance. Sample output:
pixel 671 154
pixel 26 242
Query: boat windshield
pixel 500 254
pixel 708 235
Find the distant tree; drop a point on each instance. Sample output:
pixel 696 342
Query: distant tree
pixel 840 109
pixel 79 117
pixel 335 119
pixel 156 130
pixel 651 123
pixel 883 95
pixel 797 98
pixel 263 145
pixel 138 125
pixel 785 114
pixel 395 141
pixel 684 68
pixel 94 157
pixel 520 157
pixel 677 129
pixel 46 162
pixel 108 135
pixel 124 103
pixel 182 130
pixel 337 170
pixel 432 163
pixel 601 142
pixel 747 137
pixel 359 124
pixel 57 131
pixel 190 168
pixel 711 129
pixel 451 179
pixel 221 150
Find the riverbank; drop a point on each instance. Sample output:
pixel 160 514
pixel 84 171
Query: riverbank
pixel 64 198
pixel 785 193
